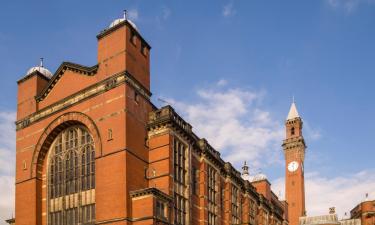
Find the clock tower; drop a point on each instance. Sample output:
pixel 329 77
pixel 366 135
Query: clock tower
pixel 294 150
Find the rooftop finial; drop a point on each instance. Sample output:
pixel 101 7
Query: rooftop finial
pixel 293 99
pixel 41 62
pixel 245 169
pixel 366 197
pixel 125 14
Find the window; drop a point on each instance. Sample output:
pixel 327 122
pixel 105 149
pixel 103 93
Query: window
pixel 71 178
pixel 265 218
pixel 292 131
pixel 180 201
pixel 235 206
pixel 180 209
pixel 110 134
pixel 133 37
pixel 161 210
pixel 253 211
pixel 143 48
pixel 179 162
pixel 195 182
pixel 212 202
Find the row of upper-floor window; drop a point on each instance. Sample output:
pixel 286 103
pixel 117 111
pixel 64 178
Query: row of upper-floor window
pixel 215 187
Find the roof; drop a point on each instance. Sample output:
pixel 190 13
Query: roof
pixel 293 113
pixel 319 220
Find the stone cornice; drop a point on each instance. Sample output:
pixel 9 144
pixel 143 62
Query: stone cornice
pixel 209 152
pixel 251 190
pixel 82 95
pixel 150 191
pixel 167 116
pixel 294 142
pixel 84 70
pixel 229 171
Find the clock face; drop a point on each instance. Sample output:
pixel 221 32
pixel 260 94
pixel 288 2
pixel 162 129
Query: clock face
pixel 293 166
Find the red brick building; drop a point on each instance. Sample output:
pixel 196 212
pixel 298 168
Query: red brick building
pixel 92 149
pixel 365 211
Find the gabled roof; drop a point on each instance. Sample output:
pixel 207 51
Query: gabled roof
pixel 88 71
pixel 293 113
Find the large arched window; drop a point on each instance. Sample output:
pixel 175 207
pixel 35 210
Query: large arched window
pixel 71 178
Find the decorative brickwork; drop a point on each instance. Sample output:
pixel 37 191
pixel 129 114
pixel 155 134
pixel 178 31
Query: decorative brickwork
pixel 149 167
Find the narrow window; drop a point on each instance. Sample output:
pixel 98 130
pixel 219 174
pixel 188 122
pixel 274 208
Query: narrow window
pixel 180 200
pixel 143 48
pixel 133 38
pixel 292 131
pixel 110 134
pixel 235 205
pixel 212 202
pixel 195 177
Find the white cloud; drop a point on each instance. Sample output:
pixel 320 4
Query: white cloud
pixel 311 133
pixel 348 5
pixel 342 192
pixel 166 12
pixel 7 197
pixel 133 14
pixel 234 122
pixel 222 82
pixel 7 164
pixel 228 10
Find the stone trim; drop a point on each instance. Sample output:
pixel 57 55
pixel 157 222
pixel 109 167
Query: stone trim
pixel 167 118
pixel 151 191
pixel 84 70
pixel 167 115
pixel 91 91
pixel 51 132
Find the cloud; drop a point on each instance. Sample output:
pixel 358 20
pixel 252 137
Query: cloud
pixel 228 10
pixel 7 197
pixel 234 122
pixel 342 192
pixel 133 14
pixel 222 82
pixel 311 133
pixel 348 5
pixel 7 163
pixel 166 12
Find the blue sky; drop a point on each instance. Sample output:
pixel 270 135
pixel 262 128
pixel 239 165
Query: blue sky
pixel 241 61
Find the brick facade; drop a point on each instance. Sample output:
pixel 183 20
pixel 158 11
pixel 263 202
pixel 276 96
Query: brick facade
pixel 150 168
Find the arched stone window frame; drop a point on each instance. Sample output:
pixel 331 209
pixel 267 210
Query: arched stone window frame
pixel 47 137
pixel 71 178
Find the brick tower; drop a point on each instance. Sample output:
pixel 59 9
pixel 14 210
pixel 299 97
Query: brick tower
pixel 294 150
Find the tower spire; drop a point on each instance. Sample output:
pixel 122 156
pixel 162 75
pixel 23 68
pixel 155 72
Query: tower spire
pixel 293 112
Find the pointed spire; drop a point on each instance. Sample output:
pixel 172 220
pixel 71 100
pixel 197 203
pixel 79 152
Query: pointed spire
pixel 293 113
